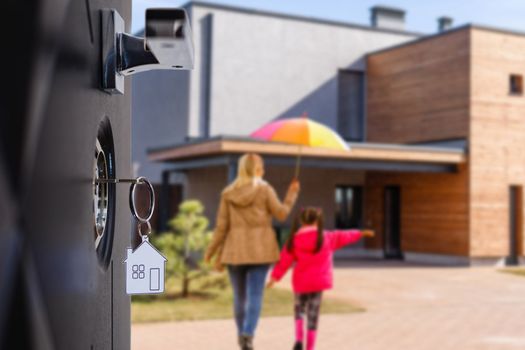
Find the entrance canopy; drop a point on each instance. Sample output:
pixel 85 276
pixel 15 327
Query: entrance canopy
pixel 219 151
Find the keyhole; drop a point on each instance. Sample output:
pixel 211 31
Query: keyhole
pixel 104 193
pixel 100 199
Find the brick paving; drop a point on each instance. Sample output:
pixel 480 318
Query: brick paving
pixel 408 307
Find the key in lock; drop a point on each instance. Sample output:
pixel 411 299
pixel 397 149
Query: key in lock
pixel 145 265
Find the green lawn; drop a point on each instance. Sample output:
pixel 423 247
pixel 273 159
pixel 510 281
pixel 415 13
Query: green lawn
pixel 212 299
pixel 520 271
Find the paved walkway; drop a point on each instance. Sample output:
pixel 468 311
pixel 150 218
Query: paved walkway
pixel 408 308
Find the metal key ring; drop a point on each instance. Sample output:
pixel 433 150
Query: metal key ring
pixel 148 227
pixel 132 205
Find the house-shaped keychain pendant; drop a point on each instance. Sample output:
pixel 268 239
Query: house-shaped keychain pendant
pixel 145 268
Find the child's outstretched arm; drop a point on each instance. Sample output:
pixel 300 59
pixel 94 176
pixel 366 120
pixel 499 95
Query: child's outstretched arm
pixel 341 238
pixel 282 265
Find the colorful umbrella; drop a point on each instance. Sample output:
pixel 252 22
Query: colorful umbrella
pixel 301 131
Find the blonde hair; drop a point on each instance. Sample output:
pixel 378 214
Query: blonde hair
pixel 247 170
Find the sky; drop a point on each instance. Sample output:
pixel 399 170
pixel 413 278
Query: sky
pixel 421 15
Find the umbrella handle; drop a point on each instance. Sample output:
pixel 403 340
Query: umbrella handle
pixel 298 163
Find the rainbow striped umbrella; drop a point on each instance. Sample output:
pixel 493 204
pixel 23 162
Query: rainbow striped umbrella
pixel 300 131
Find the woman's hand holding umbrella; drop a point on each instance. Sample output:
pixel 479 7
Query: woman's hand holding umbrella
pixel 295 186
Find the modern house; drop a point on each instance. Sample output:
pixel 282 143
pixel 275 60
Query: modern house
pixel 435 124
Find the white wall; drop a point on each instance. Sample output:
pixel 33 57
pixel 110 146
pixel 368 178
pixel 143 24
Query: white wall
pixel 266 67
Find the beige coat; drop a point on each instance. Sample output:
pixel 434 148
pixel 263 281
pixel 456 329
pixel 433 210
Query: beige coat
pixel 244 232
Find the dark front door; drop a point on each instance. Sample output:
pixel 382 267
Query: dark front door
pixel 63 240
pixel 392 229
pixel 515 225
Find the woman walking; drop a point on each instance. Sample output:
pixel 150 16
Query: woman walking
pixel 244 239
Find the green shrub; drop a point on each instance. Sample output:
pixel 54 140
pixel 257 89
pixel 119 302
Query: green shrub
pixel 185 243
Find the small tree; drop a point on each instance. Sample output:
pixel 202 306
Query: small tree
pixel 184 244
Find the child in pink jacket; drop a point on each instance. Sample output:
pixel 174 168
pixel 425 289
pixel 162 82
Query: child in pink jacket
pixel 311 249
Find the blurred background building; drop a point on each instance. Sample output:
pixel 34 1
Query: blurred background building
pixel 435 165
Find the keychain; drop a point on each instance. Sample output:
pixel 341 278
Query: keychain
pixel 145 266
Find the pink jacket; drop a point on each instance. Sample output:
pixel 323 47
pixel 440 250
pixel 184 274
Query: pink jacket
pixel 312 271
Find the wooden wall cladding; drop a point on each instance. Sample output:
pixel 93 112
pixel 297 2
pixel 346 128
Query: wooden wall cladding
pixel 497 137
pixel 419 92
pixel 434 211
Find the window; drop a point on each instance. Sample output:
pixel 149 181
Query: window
pixel 138 272
pixel 351 105
pixel 516 84
pixel 349 206
pixel 206 55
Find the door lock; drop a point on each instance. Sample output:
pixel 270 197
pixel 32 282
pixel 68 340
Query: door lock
pixel 104 193
pixel 132 201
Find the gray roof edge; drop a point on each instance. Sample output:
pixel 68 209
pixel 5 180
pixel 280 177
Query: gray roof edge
pixel 298 18
pixel 409 147
pixel 357 145
pixel 200 140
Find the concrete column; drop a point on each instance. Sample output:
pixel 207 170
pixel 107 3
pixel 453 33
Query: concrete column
pixel 232 169
pixel 164 202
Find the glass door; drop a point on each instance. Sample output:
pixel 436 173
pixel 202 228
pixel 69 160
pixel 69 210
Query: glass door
pixel 349 207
